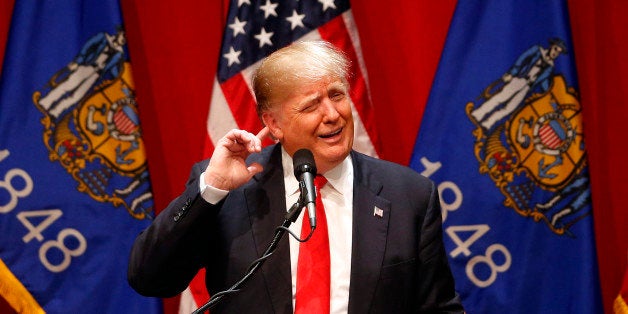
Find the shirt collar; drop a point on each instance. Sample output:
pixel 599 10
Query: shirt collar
pixel 339 178
pixel 290 181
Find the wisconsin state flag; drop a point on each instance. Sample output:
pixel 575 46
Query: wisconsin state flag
pixel 74 186
pixel 502 137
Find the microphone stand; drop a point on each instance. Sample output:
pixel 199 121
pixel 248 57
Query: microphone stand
pixel 291 217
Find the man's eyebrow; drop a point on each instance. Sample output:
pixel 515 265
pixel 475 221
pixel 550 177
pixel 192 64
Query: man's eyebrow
pixel 337 86
pixel 308 99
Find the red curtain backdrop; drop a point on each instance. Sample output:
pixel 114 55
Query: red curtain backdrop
pixel 174 49
pixel 600 33
pixel 6 7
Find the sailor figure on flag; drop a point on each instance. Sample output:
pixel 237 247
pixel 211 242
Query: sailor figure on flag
pixel 102 57
pixel 532 69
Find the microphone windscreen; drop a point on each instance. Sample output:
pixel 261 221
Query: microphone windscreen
pixel 303 161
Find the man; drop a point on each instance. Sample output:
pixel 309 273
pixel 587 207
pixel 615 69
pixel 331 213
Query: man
pixel 533 68
pixel 384 226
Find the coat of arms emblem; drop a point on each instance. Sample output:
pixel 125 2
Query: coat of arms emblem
pixel 529 140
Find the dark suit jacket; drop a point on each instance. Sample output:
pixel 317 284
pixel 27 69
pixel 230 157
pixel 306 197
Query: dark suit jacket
pixel 398 263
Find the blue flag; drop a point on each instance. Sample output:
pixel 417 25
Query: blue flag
pixel 502 136
pixel 74 186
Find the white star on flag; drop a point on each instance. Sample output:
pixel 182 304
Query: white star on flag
pixel 233 56
pixel 296 19
pixel 237 27
pixel 264 38
pixel 327 4
pixel 269 9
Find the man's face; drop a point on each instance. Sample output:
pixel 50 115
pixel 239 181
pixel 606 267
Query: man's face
pixel 120 39
pixel 316 116
pixel 555 51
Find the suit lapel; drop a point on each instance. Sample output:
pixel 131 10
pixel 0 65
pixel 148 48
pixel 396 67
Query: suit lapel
pixel 266 204
pixel 371 214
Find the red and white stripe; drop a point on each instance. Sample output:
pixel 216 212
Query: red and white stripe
pixel 549 137
pixel 123 123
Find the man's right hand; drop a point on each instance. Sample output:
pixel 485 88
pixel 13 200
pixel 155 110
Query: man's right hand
pixel 227 167
pixel 72 66
pixel 507 77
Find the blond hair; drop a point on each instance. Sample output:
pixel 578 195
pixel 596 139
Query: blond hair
pixel 300 62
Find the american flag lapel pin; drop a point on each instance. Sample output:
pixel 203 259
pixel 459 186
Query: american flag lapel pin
pixel 378 212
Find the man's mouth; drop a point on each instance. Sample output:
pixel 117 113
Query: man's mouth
pixel 328 135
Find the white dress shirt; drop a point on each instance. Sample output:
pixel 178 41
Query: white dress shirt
pixel 337 196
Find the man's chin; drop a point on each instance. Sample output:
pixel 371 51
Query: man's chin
pixel 332 155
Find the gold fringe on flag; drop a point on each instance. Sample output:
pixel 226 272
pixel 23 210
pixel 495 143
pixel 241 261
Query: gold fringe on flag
pixel 12 290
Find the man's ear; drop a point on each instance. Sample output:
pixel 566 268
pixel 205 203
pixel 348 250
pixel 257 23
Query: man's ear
pixel 270 120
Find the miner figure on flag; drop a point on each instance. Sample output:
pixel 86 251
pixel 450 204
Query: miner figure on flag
pixel 533 68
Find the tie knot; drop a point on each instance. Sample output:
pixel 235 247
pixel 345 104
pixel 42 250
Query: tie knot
pixel 319 181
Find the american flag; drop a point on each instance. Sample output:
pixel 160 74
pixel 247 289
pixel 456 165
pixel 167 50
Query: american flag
pixel 254 30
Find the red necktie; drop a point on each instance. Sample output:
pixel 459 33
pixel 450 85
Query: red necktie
pixel 313 276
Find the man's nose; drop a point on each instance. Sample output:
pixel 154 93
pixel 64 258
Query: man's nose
pixel 330 110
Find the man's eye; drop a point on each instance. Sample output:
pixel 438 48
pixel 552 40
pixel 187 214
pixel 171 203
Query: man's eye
pixel 337 96
pixel 309 107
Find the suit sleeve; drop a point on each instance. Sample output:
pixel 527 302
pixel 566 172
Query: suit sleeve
pixel 436 283
pixel 166 256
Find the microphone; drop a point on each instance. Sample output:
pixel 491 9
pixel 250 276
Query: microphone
pixel 305 171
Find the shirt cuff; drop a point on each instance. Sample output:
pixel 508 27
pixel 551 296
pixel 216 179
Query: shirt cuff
pixel 209 193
